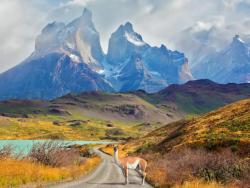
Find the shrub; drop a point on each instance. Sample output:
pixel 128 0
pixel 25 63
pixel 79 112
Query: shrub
pixel 6 151
pixel 114 132
pixel 144 147
pixel 84 150
pixel 185 164
pixel 53 154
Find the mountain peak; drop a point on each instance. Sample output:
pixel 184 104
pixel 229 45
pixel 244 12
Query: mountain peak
pixel 238 39
pixel 230 65
pixel 128 26
pixel 238 43
pixel 163 47
pixel 53 26
pixel 87 14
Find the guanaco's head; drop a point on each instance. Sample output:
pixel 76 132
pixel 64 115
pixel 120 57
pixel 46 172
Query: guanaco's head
pixel 115 149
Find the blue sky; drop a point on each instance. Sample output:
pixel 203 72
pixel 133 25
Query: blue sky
pixel 158 21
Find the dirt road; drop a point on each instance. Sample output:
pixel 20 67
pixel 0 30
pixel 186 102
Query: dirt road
pixel 107 175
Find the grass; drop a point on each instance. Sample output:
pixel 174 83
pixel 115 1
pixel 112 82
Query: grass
pixel 94 111
pixel 225 127
pixel 14 173
pixel 38 128
pixel 199 104
pixel 200 184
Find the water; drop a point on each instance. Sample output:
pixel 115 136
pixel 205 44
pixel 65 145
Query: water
pixel 24 146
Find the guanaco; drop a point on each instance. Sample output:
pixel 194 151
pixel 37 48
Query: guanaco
pixel 127 163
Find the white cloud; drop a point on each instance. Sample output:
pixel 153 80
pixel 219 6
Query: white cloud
pixel 159 21
pixel 19 24
pixel 75 3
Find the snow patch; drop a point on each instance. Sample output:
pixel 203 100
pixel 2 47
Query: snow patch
pixel 101 71
pixel 70 45
pixel 155 73
pixel 134 40
pixel 74 58
pixel 239 39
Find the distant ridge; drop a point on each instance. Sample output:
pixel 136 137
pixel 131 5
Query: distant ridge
pixel 232 64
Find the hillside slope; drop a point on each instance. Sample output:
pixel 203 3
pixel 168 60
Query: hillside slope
pixel 98 115
pixel 198 152
pixel 87 116
pixel 198 96
pixel 228 126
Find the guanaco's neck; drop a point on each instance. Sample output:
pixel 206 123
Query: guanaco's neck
pixel 116 156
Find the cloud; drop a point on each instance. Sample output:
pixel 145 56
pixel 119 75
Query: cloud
pixel 19 23
pixel 75 3
pixel 159 21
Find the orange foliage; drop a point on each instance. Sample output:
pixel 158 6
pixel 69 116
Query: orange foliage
pixel 18 172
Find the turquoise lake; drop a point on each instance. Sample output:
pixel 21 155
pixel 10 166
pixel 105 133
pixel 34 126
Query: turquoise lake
pixel 24 146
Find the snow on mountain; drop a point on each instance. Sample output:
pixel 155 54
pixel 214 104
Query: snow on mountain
pixel 123 43
pixel 149 68
pixel 134 40
pixel 75 58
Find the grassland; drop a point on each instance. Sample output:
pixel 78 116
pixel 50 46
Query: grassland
pixel 90 116
pixel 37 128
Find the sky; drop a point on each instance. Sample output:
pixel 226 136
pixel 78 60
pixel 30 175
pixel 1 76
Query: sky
pixel 158 21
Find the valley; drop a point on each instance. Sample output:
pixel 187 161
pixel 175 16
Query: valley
pixel 117 116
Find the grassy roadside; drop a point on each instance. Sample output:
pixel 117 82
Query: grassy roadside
pixel 39 168
pixel 14 173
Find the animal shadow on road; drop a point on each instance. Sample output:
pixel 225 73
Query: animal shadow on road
pixel 132 183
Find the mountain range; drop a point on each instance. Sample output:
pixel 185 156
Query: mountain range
pixel 69 58
pixel 231 65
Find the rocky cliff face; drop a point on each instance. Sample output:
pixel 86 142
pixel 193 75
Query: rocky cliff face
pixel 137 65
pixel 66 59
pixel 79 40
